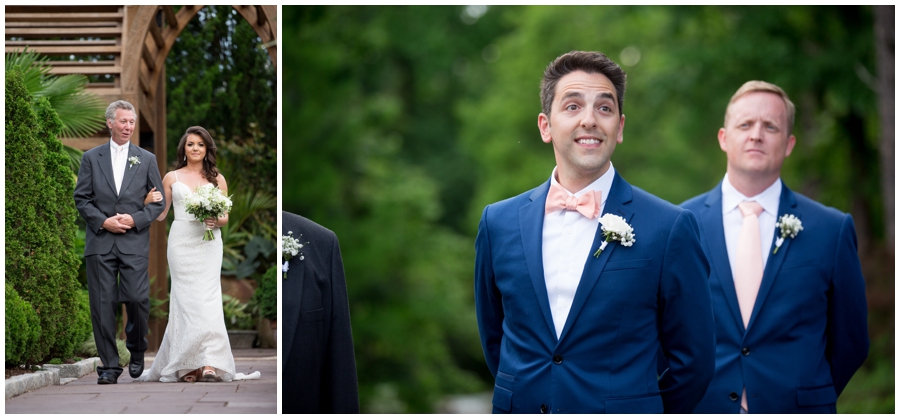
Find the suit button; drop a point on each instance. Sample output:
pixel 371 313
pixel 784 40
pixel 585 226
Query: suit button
pixel 745 351
pixel 733 396
pixel 543 408
pixel 557 359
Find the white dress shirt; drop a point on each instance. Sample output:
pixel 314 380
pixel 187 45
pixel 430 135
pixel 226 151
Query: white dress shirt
pixel 565 246
pixel 118 164
pixel 732 219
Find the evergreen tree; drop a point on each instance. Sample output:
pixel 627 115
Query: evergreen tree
pixel 40 234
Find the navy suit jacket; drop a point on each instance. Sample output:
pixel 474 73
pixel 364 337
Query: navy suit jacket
pixel 630 302
pixel 318 363
pixel 807 334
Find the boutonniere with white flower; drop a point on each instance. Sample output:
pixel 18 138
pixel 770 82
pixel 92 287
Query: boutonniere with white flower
pixel 790 226
pixel 133 160
pixel 290 248
pixel 615 228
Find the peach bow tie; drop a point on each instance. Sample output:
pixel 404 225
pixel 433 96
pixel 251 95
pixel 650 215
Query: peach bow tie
pixel 587 204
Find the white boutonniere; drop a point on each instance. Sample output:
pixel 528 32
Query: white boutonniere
pixel 133 160
pixel 615 228
pixel 290 248
pixel 790 226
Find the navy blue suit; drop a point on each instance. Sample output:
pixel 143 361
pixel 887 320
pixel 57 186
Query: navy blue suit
pixel 630 302
pixel 807 334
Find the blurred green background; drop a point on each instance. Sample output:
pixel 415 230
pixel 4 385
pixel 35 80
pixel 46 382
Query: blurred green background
pixel 402 123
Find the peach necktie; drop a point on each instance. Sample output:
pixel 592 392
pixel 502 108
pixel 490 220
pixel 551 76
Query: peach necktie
pixel 748 269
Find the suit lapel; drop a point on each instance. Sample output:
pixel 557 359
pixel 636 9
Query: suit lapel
pixel 292 292
pixel 105 160
pixel 620 194
pixel 711 221
pixel 531 224
pixel 129 172
pixel 787 205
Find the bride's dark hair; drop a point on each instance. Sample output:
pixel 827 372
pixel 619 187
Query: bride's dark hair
pixel 210 172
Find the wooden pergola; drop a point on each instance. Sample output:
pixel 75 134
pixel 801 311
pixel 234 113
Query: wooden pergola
pixel 126 46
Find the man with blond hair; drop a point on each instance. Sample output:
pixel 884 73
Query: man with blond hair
pixel 787 289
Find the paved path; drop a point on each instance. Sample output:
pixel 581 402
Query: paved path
pixel 86 396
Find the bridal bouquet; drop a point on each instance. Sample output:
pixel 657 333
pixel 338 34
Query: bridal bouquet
pixel 208 201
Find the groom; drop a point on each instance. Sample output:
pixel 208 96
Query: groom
pixel 113 181
pixel 565 329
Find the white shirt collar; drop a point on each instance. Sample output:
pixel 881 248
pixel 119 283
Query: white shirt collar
pixel 602 184
pixel 769 198
pixel 113 146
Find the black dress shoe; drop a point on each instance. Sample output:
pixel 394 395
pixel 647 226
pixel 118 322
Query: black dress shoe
pixel 107 378
pixel 136 366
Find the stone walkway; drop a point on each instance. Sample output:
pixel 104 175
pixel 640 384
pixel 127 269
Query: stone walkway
pixel 84 395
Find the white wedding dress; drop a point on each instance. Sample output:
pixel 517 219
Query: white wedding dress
pixel 195 335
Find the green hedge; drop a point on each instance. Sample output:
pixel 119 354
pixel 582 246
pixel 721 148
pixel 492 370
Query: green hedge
pixel 266 295
pixel 22 328
pixel 41 264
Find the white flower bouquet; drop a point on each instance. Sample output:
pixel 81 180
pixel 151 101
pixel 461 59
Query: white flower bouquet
pixel 207 202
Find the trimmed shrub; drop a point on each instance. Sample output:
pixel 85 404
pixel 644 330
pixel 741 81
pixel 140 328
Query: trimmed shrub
pixel 266 295
pixel 22 328
pixel 80 329
pixel 40 223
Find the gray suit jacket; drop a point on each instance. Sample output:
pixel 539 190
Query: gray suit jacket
pixel 96 200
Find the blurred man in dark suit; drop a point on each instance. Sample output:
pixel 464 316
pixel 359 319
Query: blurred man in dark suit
pixel 318 365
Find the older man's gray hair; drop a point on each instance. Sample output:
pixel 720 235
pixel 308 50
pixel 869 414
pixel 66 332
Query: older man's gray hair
pixel 119 104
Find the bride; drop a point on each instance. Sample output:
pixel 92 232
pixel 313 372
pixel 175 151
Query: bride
pixel 195 346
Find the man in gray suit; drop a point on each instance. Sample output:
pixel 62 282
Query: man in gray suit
pixel 113 181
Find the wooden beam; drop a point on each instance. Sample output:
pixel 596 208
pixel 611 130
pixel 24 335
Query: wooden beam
pixel 63 17
pixel 147 57
pixel 104 91
pixel 156 35
pixel 99 69
pixel 148 112
pixel 61 24
pixel 143 82
pixel 81 63
pixel 260 16
pixel 62 9
pixel 85 50
pixel 59 43
pixel 169 13
pixel 84 144
pixel 63 32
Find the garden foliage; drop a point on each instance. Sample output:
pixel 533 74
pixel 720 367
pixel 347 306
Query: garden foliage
pixel 41 264
pixel 22 328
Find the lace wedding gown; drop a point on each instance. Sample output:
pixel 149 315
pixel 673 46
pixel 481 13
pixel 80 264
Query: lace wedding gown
pixel 195 335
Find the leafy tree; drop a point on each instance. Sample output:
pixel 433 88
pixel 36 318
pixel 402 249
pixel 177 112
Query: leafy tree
pixel 219 78
pixel 370 151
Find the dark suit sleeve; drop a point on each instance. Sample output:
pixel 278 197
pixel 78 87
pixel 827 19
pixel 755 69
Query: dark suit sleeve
pixel 84 195
pixel 847 334
pixel 686 325
pixel 148 213
pixel 339 381
pixel 488 301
